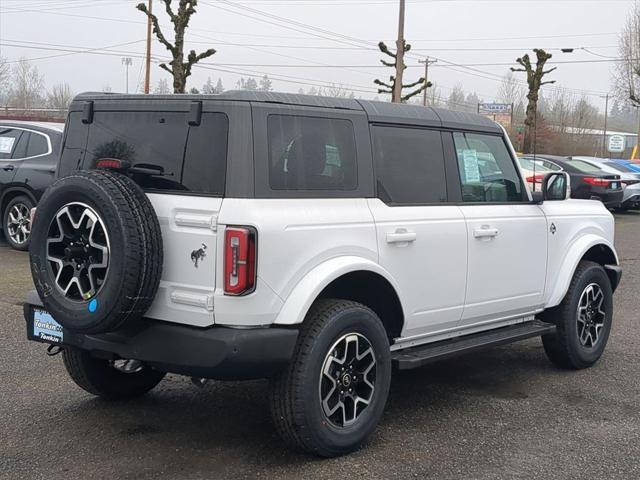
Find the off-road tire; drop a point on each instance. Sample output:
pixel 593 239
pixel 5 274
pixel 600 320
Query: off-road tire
pixel 99 378
pixel 28 204
pixel 563 347
pixel 294 394
pixel 136 251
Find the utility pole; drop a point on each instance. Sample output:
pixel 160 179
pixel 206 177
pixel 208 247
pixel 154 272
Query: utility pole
pixel 397 91
pixel 606 118
pixel 147 76
pixel 427 61
pixel 127 61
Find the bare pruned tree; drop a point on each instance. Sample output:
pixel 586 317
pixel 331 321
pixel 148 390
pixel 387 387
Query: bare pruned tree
pixel 535 75
pixel 390 87
pixel 60 96
pixel 178 67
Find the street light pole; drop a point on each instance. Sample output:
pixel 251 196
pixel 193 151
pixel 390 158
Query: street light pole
pixel 127 61
pixel 606 118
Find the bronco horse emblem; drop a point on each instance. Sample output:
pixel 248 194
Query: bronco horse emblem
pixel 198 255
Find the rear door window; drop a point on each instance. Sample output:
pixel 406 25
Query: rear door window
pixel 20 150
pixel 409 165
pixel 8 140
pixel 311 153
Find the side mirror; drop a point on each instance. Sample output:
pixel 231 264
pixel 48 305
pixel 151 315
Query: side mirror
pixel 556 186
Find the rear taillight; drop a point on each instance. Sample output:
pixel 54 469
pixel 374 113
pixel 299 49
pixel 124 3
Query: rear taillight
pixel 535 179
pixel 630 182
pixel 596 182
pixel 112 164
pixel 239 260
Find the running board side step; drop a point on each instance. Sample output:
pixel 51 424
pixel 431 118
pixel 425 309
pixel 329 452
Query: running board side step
pixel 415 357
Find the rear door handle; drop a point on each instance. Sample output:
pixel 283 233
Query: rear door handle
pixel 8 168
pixel 485 232
pixel 401 236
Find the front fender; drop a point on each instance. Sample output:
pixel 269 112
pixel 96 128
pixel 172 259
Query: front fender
pixel 576 252
pixel 299 301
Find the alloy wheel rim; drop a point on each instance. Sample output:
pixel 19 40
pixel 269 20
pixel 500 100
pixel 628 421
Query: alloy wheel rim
pixel 19 223
pixel 591 315
pixel 347 379
pixel 78 251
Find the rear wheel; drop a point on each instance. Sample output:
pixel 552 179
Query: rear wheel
pixel 332 396
pixel 583 319
pixel 16 222
pixel 108 379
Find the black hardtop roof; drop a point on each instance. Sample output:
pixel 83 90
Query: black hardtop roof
pixel 378 112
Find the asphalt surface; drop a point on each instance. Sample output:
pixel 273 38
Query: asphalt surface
pixel 503 413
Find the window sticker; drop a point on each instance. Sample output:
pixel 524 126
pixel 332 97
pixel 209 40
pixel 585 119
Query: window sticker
pixel 6 144
pixel 471 167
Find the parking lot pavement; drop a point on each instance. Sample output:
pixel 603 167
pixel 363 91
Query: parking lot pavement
pixel 502 413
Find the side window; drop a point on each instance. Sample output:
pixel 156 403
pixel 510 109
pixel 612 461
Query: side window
pixel 153 141
pixel 38 145
pixel 205 164
pixel 8 140
pixel 20 150
pixel 310 153
pixel 409 165
pixel 487 171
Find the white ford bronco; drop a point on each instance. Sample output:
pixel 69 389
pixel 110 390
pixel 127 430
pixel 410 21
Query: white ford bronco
pixel 320 243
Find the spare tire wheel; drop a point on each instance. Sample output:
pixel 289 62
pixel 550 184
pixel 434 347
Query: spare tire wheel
pixel 96 251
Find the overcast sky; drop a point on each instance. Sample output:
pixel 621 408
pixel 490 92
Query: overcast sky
pixel 343 33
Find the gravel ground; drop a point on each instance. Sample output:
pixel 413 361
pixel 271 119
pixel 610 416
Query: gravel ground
pixel 502 413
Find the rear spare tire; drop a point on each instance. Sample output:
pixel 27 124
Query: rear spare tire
pixel 96 251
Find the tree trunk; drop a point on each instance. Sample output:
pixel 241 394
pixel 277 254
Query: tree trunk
pixel 530 125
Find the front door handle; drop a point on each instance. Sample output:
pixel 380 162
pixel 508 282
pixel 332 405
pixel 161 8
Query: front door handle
pixel 402 237
pixel 8 168
pixel 485 232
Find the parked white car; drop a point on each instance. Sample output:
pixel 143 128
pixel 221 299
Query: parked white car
pixel 313 241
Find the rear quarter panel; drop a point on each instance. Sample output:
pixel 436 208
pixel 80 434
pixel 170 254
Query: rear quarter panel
pixel 294 237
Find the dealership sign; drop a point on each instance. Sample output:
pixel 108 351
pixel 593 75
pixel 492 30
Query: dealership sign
pixel 494 108
pixel 501 113
pixel 616 144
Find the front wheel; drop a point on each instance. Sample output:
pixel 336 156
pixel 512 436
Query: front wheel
pixel 331 397
pixel 583 319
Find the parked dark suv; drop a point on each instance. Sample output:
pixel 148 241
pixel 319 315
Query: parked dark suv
pixel 28 157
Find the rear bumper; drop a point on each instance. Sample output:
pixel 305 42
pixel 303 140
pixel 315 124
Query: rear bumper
pixel 216 352
pixel 611 199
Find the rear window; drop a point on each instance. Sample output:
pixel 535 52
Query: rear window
pixel 311 153
pixel 584 167
pixel 174 155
